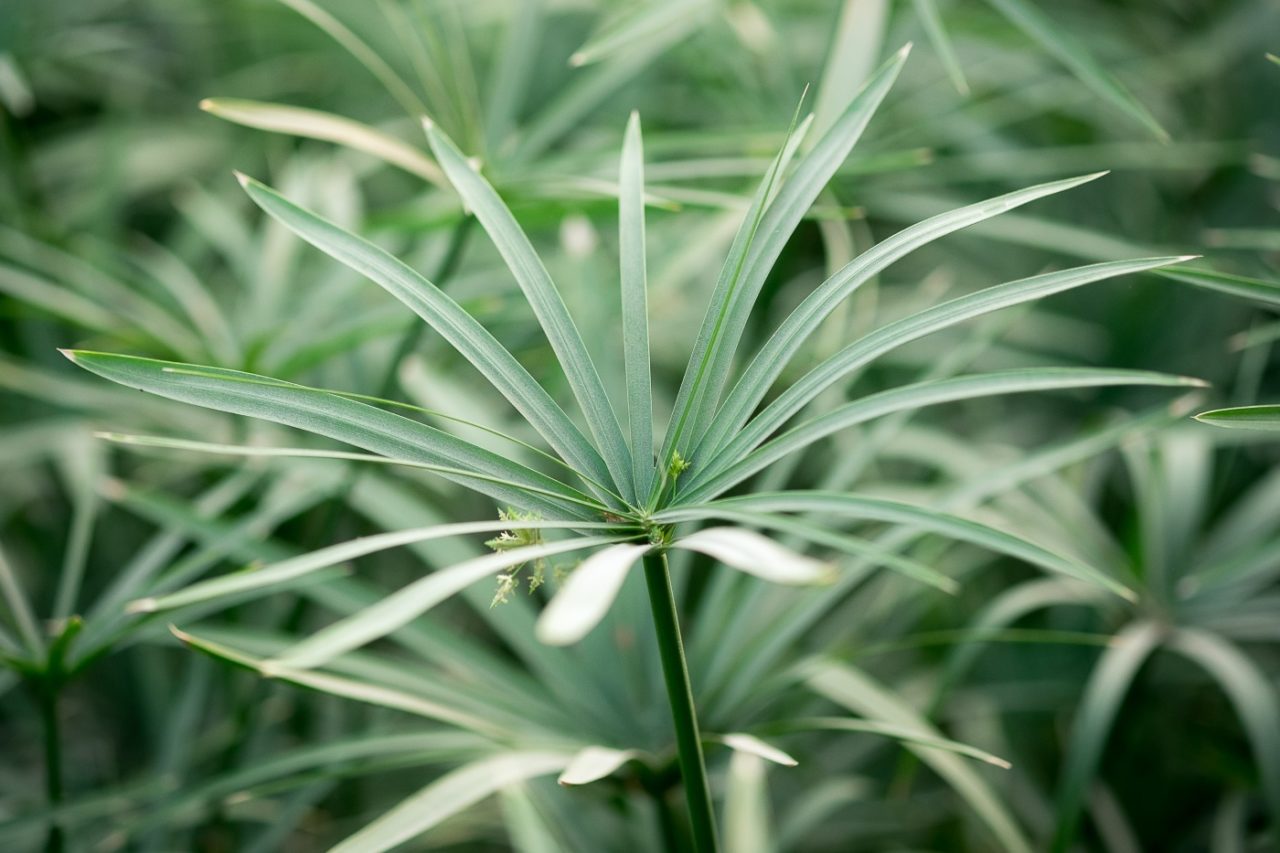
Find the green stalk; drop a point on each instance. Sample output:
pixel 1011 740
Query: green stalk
pixel 675 670
pixel 55 841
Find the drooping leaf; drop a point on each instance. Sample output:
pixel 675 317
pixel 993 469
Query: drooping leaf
pixel 403 606
pixel 449 795
pixel 594 763
pixel 858 692
pixel 587 595
pixel 1107 687
pixel 750 552
pixel 317 124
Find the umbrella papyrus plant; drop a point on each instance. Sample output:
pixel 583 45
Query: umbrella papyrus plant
pixel 604 495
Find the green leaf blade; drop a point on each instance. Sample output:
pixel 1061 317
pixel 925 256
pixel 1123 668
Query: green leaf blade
pixel 1265 418
pixel 635 306
pixel 335 417
pixel 547 305
pixel 459 328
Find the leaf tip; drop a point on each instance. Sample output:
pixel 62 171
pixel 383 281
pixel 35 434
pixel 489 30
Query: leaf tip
pixel 182 635
pixel 244 179
pixel 143 605
pixel 69 355
pixel 427 124
pixel 578 59
pixel 1182 259
pixel 207 105
pixel 904 51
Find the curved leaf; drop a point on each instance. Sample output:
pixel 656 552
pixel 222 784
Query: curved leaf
pixel 403 606
pixel 454 324
pixel 897 512
pixel 750 552
pixel 587 595
pixel 336 417
pixel 449 795
pixel 908 329
pixel 909 397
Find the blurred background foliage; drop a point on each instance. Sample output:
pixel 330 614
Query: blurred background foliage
pixel 1143 726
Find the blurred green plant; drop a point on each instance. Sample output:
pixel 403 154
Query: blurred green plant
pixel 623 504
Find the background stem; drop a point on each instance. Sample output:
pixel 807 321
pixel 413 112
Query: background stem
pixel 675 670
pixel 55 842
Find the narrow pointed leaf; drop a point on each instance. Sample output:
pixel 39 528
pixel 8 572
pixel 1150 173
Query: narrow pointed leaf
pixel 898 512
pixel 544 299
pixel 357 690
pixel 19 608
pixel 593 764
pixel 454 324
pixel 927 11
pixel 267 452
pixel 1073 54
pixel 335 417
pixel 858 692
pixel 449 795
pixel 794 199
pixel 823 535
pixel 1244 417
pixel 587 595
pixel 635 306
pixel 916 326
pixel 1255 289
pixel 403 606
pixel 316 124
pixel 782 346
pixel 911 397
pixel 730 273
pixel 364 54
pixel 906 734
pixel 296 567
pixel 750 552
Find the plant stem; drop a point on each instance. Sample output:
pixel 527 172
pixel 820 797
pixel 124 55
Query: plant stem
pixel 675 670
pixel 55 842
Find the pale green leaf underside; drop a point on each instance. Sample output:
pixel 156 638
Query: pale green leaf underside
pixel 316 124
